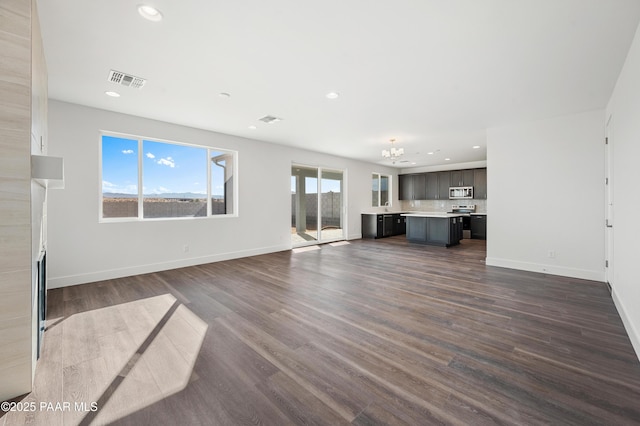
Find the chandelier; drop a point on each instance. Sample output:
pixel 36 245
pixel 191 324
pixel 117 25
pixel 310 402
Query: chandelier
pixel 394 153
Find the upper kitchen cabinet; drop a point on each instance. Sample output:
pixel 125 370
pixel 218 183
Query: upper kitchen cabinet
pixel 412 187
pixel 444 179
pixel 405 187
pixel 462 178
pixel 480 184
pixel 431 180
pixel 419 187
pixel 437 185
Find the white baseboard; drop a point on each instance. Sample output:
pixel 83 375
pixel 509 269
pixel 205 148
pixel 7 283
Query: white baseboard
pixel 58 282
pixel 547 269
pixel 632 331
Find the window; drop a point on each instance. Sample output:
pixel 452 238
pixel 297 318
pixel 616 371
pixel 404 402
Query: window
pixel 147 179
pixel 380 190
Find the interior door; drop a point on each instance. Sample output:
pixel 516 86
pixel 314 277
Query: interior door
pixel 609 207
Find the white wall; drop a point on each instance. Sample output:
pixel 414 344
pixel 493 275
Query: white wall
pixel 624 134
pixel 546 181
pixel 83 250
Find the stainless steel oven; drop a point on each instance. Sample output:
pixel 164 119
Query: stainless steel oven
pixel 466 209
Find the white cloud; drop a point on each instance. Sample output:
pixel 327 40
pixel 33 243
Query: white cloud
pixel 150 155
pixel 157 191
pixel 167 162
pixel 117 189
pixel 127 151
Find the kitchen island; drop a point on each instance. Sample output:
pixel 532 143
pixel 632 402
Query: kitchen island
pixel 437 229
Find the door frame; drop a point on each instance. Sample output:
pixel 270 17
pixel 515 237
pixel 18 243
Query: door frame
pixel 609 204
pixel 343 209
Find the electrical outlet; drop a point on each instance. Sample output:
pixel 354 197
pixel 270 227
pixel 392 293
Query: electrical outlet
pixel 552 254
pixel 185 248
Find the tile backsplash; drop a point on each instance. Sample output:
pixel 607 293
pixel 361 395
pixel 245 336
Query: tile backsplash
pixel 440 205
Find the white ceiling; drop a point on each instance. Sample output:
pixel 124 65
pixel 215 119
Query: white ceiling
pixel 434 74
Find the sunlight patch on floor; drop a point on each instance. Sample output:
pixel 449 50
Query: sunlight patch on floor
pixel 339 243
pixel 118 359
pixel 308 248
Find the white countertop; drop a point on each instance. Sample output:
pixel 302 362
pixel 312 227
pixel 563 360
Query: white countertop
pixel 433 214
pixel 426 214
pixel 391 212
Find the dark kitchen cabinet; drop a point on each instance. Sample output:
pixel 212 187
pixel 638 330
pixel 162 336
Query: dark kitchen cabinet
pixel 419 187
pixel 437 184
pixel 437 231
pixel 417 229
pixel 412 187
pixel 455 229
pixel 431 180
pixel 444 179
pixel 399 224
pixel 387 225
pixel 405 187
pixel 462 178
pixel 377 225
pixel 370 228
pixel 382 225
pixel 479 227
pixel 480 184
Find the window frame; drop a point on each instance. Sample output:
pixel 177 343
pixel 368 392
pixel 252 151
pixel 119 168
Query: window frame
pixel 379 190
pixel 140 216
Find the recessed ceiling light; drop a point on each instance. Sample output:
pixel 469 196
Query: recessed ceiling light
pixel 332 95
pixel 447 159
pixel 476 147
pixel 112 94
pixel 414 163
pixel 150 13
pixel 430 153
pixel 252 127
pixel 224 95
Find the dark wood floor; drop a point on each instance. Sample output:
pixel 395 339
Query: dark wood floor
pixel 371 332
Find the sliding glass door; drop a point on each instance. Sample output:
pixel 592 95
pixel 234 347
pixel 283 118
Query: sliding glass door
pixel 331 205
pixel 304 196
pixel 316 205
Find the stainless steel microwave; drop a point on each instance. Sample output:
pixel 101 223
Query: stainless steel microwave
pixel 460 192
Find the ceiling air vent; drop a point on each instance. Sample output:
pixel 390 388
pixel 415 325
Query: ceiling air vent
pixel 269 119
pixel 126 79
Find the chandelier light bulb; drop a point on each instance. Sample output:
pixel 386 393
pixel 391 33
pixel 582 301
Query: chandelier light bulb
pixel 394 153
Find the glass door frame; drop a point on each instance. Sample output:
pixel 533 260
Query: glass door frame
pixel 343 212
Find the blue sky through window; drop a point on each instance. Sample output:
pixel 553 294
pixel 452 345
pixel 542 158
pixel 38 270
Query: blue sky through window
pixel 167 168
pixel 119 165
